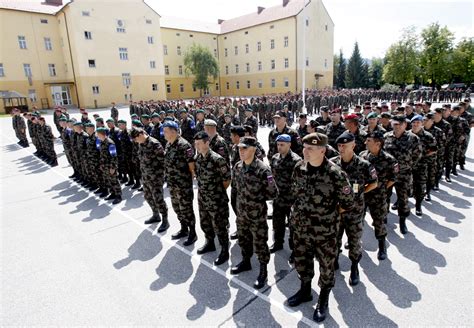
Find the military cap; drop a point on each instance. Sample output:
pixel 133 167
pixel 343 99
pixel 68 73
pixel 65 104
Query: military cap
pixel 324 108
pixel 95 115
pixel 78 124
pixel 135 132
pixel 283 138
pixel 351 117
pixel 182 110
pixel 99 119
pixel 133 116
pixel 170 111
pixel 101 130
pixel 110 120
pixel 376 135
pixel 171 125
pixel 313 124
pixel 344 138
pixel 285 106
pixel 61 119
pixel 155 114
pixel 439 110
pixel 303 115
pixel 201 135
pixel 410 103
pixel 85 113
pixel 248 129
pixel 122 122
pixel 280 114
pixel 386 115
pixel 227 115
pixel 384 106
pixel 345 110
pixel 372 115
pixel 137 123
pixel 146 116
pixel 238 130
pixel 71 120
pixel 399 118
pixel 416 118
pixel 316 139
pixel 34 114
pixel 209 122
pixel 456 108
pixel 248 109
pixel 41 118
pixel 321 129
pixel 447 105
pixel 89 125
pixel 429 116
pixel 246 142
pixel 162 112
pixel 335 111
pixel 200 111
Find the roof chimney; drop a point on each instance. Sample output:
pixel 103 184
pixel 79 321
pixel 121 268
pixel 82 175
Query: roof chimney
pixel 220 21
pixel 285 2
pixel 260 9
pixel 54 2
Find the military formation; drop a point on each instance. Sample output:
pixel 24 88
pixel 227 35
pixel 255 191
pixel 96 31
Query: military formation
pixel 327 164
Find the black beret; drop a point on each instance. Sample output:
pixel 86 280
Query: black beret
pixel 376 135
pixel 238 130
pixel 201 135
pixel 344 138
pixel 246 142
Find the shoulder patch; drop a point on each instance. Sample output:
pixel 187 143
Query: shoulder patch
pixel 373 173
pixel 189 152
pixel 112 150
pixel 270 179
pixel 396 168
pixel 346 190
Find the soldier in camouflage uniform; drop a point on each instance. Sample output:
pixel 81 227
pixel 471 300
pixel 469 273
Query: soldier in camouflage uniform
pixel 92 156
pixel 445 161
pixel 19 126
pixel 179 172
pixel 420 170
pixel 363 179
pixel 216 142
pixel 187 126
pixel 114 113
pixel 251 120
pixel 281 127
pixel 213 175
pixel 351 123
pixel 135 179
pixel 67 137
pixel 335 128
pixel 387 169
pixel 254 183
pixel 406 148
pixel 79 139
pixel 434 161
pixel 108 167
pixel 282 165
pixel 152 160
pixel 321 190
pixel 47 141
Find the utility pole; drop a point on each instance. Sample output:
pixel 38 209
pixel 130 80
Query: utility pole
pixel 303 85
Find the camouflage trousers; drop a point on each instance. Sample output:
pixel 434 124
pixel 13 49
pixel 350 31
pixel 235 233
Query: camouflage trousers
pixel 402 187
pixel 420 175
pixel 261 117
pixel 252 231
pixel 281 212
pixel 233 200
pixel 378 207
pixel 449 156
pixel 214 217
pixel 457 154
pixel 440 162
pixel 311 240
pixel 135 169
pixel 463 150
pixel 352 222
pixel 49 150
pixel 111 182
pixel 93 173
pixel 153 193
pixel 431 171
pixel 182 202
pixel 21 135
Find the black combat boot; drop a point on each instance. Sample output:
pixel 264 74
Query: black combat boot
pixel 92 187
pixel 110 197
pixel 183 232
pixel 454 171
pixel 104 193
pixel 278 237
pixel 302 295
pixel 447 173
pixel 382 253
pixel 245 265
pixel 322 307
pixel 117 199
pixel 428 196
pixel 395 206
pixel 130 182
pixel 137 184
pixel 354 278
pixel 164 224
pixel 74 174
pixel 224 254
pixel 234 236
pixel 418 210
pixel 192 237
pixel 403 225
pixel 155 218
pixel 461 166
pixel 336 262
pixel 54 163
pixel 262 277
pixel 209 246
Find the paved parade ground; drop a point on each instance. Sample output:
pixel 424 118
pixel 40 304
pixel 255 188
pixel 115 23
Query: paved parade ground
pixel 71 258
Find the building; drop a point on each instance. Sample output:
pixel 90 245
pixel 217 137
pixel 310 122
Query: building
pixel 89 53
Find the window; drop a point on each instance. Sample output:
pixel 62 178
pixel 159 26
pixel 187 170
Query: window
pixel 271 27
pixel 32 95
pixel 165 50
pixel 95 89
pixel 190 35
pixel 22 42
pixel 248 84
pixel 194 89
pixel 273 83
pixel 181 88
pixel 180 69
pixel 259 66
pixel 150 40
pixel 47 44
pixel 225 52
pixel 259 46
pixel 52 69
pixel 237 85
pixel 272 44
pixel 167 70
pixel 178 51
pixel 285 41
pixel 236 68
pixel 325 63
pixel 326 27
pixel 260 84
pixel 123 53
pixel 246 32
pixel 286 83
pixel 272 65
pixel 27 69
pixel 120 30
pixel 217 86
pixel 154 87
pixel 126 79
pixel 148 21
pixel 177 34
pixel 86 13
pixel 215 52
pixel 227 69
pixel 307 61
pixel 152 64
pixel 307 21
pixel 236 50
pixel 2 70
pixel 286 63
pixel 168 88
pixel 88 35
pixel 247 67
pixel 45 21
pixel 246 48
pixel 227 86
pixel 92 63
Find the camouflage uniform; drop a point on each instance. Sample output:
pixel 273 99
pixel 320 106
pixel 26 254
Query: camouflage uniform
pixel 92 157
pixel 125 155
pixel 19 125
pixel 78 148
pixel 445 160
pixel 252 121
pixel 334 131
pixel 218 145
pixel 255 185
pixel 437 161
pixel 420 169
pixel 47 140
pixel 296 145
pixel 108 161
pixel 66 136
pixel 318 193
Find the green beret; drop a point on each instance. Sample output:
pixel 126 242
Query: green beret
pixel 78 124
pixel 372 115
pixel 146 116
pixel 101 130
pixel 155 114
pixel 200 111
pixel 62 119
pixel 133 116
pixel 122 122
pixel 182 110
pixel 89 125
pixel 99 119
pixel 162 112
pixel 110 120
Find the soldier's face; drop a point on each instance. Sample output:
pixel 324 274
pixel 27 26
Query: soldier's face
pixel 313 153
pixel 283 147
pixel 372 145
pixel 202 146
pixel 427 123
pixel 372 121
pixel 346 149
pixel 246 153
pixel 416 125
pixel 398 128
pixel 170 134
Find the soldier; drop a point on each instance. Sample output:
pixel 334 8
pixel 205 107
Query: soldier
pixel 251 120
pixel 187 126
pixel 468 123
pixel 282 165
pixel 351 122
pixel 79 142
pixel 446 160
pixel 19 126
pixel 253 180
pixel 199 120
pixel 335 128
pixel 236 133
pixel 385 121
pixel 108 166
pixel 179 172
pixel 372 120
pixel 363 179
pixel 321 190
pixel 226 129
pixel 324 119
pixel 152 160
pixel 406 148
pixel 125 156
pixel 114 113
pixel 460 127
pixel 216 142
pixel 157 131
pixel 281 127
pixel 67 138
pixel 302 127
pixel 438 159
pixel 92 159
pixel 135 179
pixel 387 169
pixel 213 175
pixel 47 140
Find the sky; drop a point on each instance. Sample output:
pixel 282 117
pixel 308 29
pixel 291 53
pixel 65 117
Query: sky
pixel 374 24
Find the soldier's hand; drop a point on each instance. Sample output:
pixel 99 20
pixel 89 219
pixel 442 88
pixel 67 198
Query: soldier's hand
pixel 112 171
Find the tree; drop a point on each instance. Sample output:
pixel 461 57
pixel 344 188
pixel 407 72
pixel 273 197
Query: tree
pixel 401 59
pixel 341 71
pixel 364 78
pixel 437 43
pixel 200 62
pixel 463 61
pixel 354 74
pixel 335 70
pixel 375 73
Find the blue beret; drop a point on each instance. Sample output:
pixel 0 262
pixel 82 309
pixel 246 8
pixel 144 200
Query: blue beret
pixel 283 138
pixel 416 118
pixel 170 124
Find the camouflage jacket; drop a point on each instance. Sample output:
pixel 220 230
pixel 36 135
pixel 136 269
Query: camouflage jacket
pixel 218 145
pixel 152 159
pixel 407 149
pixel 211 172
pixel 177 157
pixel 296 145
pixel 282 170
pixel 334 131
pixel 108 155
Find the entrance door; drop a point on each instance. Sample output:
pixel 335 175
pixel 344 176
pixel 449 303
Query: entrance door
pixel 61 95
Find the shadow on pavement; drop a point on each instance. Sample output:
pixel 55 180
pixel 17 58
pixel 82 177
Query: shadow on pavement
pixel 175 268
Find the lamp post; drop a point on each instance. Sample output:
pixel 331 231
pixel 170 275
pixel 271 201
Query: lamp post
pixel 304 57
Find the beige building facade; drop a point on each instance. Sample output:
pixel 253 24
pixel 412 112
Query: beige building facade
pixel 89 53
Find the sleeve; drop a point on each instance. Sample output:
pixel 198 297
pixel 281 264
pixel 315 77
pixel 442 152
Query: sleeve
pixel 371 174
pixel 224 169
pixel 344 191
pixel 270 189
pixel 417 150
pixel 188 153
